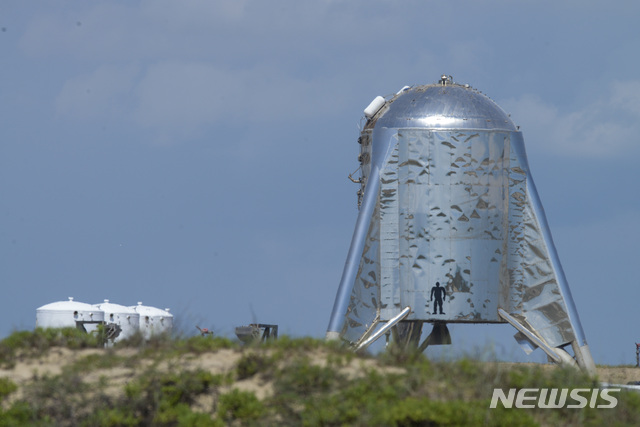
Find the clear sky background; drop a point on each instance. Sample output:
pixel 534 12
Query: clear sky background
pixel 194 154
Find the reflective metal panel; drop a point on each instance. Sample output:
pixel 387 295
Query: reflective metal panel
pixel 443 107
pixel 452 216
pixel 364 302
pixel 448 198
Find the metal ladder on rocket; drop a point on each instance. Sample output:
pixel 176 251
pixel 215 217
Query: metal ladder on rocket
pixel 447 197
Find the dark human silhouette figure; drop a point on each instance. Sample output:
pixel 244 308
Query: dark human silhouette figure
pixel 440 294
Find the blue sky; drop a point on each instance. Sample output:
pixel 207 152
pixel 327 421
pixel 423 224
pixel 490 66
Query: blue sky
pixel 193 154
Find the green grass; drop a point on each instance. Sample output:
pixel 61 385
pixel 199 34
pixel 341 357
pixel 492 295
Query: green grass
pixel 309 382
pixel 37 342
pixel 6 388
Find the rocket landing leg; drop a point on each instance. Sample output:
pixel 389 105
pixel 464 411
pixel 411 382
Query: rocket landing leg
pixel 406 334
pixel 558 355
pixel 584 358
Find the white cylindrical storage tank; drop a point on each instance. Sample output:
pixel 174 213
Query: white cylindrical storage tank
pixel 125 317
pixel 154 321
pixel 66 314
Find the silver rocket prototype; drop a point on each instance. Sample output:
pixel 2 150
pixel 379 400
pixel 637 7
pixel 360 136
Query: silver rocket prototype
pixel 451 229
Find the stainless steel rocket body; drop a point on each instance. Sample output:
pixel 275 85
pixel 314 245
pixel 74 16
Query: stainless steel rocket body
pixel 447 196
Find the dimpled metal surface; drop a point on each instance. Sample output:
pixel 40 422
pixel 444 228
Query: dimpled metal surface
pixel 448 197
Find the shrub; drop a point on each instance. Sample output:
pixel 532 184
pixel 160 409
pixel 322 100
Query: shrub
pixel 19 414
pixel 162 398
pixel 36 342
pixel 240 405
pixel 302 378
pixel 6 388
pixel 59 398
pixel 415 411
pixel 92 362
pixel 199 344
pixel 253 363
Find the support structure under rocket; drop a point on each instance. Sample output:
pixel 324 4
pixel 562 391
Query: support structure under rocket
pixel 451 229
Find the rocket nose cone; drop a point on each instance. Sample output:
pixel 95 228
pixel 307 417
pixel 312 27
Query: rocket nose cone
pixel 450 106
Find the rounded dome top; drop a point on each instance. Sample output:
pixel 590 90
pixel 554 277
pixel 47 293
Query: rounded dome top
pixel 109 307
pixel 69 305
pixel 144 310
pixel 445 105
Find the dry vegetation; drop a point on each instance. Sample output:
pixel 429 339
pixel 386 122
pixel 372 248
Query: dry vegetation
pixel 62 378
